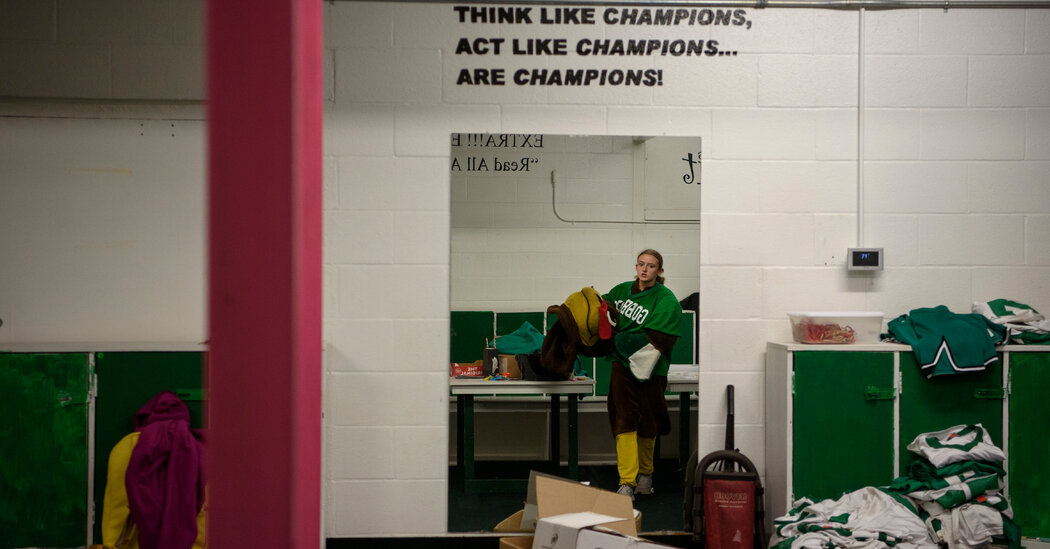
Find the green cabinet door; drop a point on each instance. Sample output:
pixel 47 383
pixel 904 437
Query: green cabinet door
pixel 935 404
pixel 1029 476
pixel 470 330
pixel 843 422
pixel 43 449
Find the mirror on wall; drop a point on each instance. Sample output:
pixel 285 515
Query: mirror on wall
pixel 534 218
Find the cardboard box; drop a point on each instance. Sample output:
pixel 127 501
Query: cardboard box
pixel 556 496
pixel 512 524
pixel 517 542
pixel 559 496
pixel 508 364
pixel 597 537
pixel 560 531
pixel 465 369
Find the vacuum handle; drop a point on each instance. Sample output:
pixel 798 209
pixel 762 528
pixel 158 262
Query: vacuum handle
pixel 730 415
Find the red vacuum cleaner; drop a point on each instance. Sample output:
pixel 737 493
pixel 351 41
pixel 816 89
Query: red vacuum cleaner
pixel 723 500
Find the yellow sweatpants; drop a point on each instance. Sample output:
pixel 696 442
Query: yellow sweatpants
pixel 634 456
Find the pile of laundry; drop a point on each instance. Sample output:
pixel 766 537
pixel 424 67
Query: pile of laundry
pixel 1024 325
pixel 951 496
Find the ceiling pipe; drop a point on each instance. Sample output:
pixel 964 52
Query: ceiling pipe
pixel 758 4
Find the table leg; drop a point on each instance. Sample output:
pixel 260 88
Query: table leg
pixel 574 434
pixel 459 432
pixel 684 420
pixel 555 443
pixel 468 437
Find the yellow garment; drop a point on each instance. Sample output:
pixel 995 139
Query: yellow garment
pixel 118 530
pixel 634 455
pixel 646 447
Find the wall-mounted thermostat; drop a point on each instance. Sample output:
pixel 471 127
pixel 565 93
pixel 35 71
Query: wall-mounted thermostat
pixel 864 259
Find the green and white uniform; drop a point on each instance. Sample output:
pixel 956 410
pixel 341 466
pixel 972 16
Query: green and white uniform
pixel 958 443
pixel 655 309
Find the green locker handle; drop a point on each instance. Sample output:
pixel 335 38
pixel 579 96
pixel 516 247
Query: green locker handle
pixel 190 394
pixel 997 393
pixel 875 393
pixel 65 400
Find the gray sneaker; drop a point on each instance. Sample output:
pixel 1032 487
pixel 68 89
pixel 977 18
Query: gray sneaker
pixel 645 485
pixel 626 490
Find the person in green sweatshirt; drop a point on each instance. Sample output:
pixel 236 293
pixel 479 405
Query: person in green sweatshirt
pixel 646 331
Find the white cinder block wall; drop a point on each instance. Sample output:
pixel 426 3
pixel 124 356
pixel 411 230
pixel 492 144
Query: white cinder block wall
pixel 955 185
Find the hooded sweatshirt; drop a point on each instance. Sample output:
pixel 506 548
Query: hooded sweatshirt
pixel 165 476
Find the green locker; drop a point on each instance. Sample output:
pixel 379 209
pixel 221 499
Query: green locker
pixel 1029 449
pixel 941 402
pixel 828 427
pixel 843 422
pixel 44 434
pixel 509 322
pixel 469 331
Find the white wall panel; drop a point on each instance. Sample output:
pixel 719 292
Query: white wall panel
pixel 662 121
pixel 359 129
pixel 915 187
pixel 722 82
pixel 731 292
pixel 972 31
pixel 1037 40
pixel 811 289
pixel 394 291
pixel 359 336
pixel 733 345
pixel 1037 240
pixel 361 452
pixel 553 119
pixel 411 76
pixel 951 134
pixel 900 290
pixel 1038 136
pixel 807 80
pixel 971 240
pixel 359 237
pixel 1009 81
pixel 836 134
pixel 379 507
pixel 103 223
pixel 898 235
pixel 768 134
pixel 1021 284
pixel 892 31
pixel 362 25
pixel 915 81
pixel 892 134
pixel 1008 187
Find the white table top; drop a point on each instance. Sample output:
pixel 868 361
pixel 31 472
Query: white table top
pixel 683 378
pixel 480 386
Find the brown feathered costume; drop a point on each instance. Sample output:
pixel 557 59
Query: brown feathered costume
pixel 579 331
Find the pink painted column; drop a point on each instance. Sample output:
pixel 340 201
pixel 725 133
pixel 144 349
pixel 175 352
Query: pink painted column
pixel 264 305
